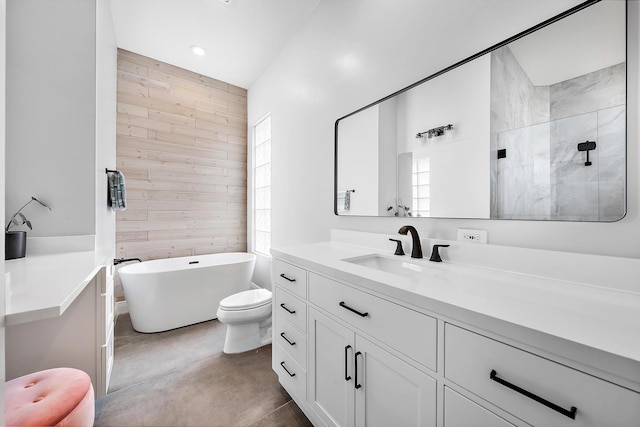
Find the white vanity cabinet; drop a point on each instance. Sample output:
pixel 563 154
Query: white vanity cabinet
pixel 534 389
pixel 77 333
pixel 328 357
pixel 409 332
pixel 462 412
pixel 353 353
pixel 289 359
pixel 107 312
pixel 353 381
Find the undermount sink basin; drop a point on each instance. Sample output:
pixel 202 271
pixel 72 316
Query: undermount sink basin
pixel 400 266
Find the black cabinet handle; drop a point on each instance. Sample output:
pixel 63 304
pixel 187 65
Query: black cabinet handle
pixel 346 362
pixel 343 305
pixel 287 340
pixel 356 359
pixel 285 368
pixel 286 278
pixel 570 413
pixel 285 307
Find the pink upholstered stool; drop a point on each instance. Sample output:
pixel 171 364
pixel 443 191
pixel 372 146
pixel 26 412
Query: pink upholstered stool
pixel 55 397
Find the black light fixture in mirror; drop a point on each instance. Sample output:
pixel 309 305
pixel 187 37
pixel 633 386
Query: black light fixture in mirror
pixel 513 138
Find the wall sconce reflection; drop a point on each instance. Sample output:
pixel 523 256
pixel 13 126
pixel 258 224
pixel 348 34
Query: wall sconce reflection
pixel 446 130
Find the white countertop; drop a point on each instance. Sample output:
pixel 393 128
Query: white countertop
pixel 602 318
pixel 44 286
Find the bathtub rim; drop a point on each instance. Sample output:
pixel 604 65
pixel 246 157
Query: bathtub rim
pixel 143 267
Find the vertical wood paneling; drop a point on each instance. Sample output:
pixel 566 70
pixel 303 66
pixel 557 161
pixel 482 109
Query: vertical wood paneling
pixel 182 145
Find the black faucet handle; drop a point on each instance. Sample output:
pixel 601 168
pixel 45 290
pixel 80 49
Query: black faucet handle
pixel 399 250
pixel 435 255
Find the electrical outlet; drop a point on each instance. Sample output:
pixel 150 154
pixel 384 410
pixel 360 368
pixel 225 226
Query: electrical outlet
pixel 473 236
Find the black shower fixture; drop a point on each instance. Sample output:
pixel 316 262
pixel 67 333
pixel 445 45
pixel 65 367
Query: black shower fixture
pixel 587 146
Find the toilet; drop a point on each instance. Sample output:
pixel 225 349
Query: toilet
pixel 247 315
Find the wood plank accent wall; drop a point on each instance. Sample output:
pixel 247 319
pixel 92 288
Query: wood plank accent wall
pixel 182 146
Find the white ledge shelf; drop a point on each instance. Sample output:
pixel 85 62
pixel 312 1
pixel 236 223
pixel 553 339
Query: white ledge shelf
pixel 44 286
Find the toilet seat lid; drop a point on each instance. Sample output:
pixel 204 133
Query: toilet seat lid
pixel 246 299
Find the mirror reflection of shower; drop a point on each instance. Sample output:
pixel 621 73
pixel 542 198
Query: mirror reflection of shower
pixel 543 174
pixel 518 114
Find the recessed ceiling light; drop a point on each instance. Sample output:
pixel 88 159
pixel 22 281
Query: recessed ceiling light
pixel 198 50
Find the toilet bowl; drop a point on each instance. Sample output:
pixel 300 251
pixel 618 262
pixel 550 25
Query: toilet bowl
pixel 247 315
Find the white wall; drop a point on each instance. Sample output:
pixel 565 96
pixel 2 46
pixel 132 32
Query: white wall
pixel 106 89
pixel 358 168
pixel 349 54
pixel 460 167
pixel 61 97
pixel 387 155
pixel 51 98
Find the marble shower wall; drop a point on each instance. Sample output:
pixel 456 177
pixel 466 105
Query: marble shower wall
pixel 520 117
pixel 544 175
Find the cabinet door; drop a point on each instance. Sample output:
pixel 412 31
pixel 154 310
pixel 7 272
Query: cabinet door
pixel 392 392
pixel 331 370
pixel 461 412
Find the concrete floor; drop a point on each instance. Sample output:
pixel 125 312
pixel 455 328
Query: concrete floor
pixel 182 378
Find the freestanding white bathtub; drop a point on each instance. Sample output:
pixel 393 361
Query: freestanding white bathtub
pixel 169 293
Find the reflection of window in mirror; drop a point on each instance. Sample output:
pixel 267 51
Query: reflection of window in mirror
pixel 420 184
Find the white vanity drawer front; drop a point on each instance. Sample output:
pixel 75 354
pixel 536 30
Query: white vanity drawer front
pixel 109 302
pixel 292 278
pixel 407 331
pixel 291 375
pixel 291 339
pixel 462 412
pixel 291 309
pixel 470 359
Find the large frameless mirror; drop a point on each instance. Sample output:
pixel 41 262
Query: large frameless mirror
pixel 533 128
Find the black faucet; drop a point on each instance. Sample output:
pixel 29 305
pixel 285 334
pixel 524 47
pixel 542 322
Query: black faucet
pixel 117 261
pixel 435 255
pixel 399 250
pixel 416 247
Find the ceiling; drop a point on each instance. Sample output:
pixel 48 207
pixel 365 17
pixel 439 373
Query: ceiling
pixel 241 38
pixel 589 40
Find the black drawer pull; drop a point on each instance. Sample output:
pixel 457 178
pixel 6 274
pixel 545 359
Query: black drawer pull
pixel 571 413
pixel 343 305
pixel 286 339
pixel 285 368
pixel 285 307
pixel 286 278
pixel 347 377
pixel 356 359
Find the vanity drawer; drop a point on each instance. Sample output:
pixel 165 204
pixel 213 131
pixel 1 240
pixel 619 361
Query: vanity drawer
pixel 407 331
pixel 291 309
pixel 290 277
pixel 291 339
pixel 109 308
pixel 461 412
pixel 471 358
pixel 290 374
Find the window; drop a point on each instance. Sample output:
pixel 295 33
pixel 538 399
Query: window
pixel 262 186
pixel 421 203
